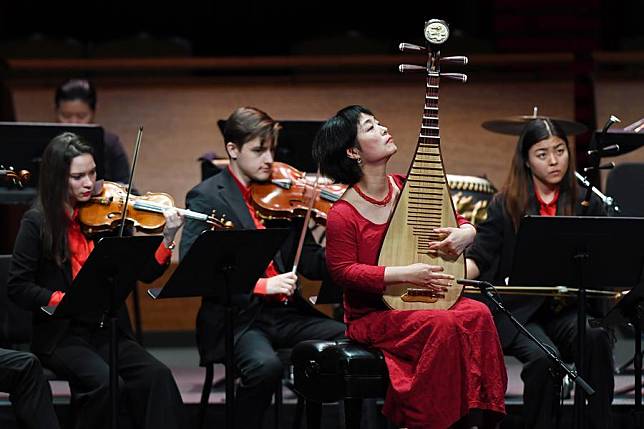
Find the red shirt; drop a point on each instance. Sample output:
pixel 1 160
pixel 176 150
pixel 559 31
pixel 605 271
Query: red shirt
pixel 547 209
pixel 271 271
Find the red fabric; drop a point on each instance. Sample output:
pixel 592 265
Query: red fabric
pixel 163 254
pixel 79 246
pixel 547 209
pixel 460 220
pixel 271 271
pixel 55 298
pixel 441 363
pixel 79 249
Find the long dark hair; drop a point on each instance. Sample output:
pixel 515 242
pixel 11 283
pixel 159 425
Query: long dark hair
pixel 332 141
pixel 518 185
pixel 53 192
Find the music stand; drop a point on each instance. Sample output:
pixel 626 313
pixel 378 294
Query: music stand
pixel 576 251
pixel 224 264
pixel 102 284
pixel 630 309
pixel 22 144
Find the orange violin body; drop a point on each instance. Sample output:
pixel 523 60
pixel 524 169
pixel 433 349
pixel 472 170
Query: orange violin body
pixel 285 196
pixel 104 211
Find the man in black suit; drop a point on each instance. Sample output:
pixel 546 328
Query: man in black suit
pixel 272 316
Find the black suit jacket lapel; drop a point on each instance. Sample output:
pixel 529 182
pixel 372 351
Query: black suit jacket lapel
pixel 231 196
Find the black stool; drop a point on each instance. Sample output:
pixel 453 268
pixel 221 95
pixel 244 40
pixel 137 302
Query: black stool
pixel 332 371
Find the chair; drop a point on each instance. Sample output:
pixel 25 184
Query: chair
pixel 332 371
pixel 284 356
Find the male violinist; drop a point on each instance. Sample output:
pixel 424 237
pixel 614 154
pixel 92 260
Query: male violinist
pixel 266 321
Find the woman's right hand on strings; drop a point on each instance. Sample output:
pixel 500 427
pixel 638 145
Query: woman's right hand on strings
pixel 281 284
pixel 419 274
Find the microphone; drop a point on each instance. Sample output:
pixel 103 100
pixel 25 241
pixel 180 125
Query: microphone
pixel 486 288
pixel 475 283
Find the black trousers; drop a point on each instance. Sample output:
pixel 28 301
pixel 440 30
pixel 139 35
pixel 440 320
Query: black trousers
pixel 21 376
pixel 260 368
pixel 146 385
pixel 541 392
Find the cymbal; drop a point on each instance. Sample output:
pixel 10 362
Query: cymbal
pixel 514 125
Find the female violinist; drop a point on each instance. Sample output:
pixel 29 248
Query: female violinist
pixel 445 366
pixel 49 252
pixel 266 322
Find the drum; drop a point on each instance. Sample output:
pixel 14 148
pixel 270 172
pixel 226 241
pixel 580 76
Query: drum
pixel 471 196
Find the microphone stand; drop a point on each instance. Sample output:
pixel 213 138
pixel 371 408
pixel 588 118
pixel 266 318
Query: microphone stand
pixel 486 289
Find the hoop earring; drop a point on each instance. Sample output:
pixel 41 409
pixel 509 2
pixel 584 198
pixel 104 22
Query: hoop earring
pixel 359 161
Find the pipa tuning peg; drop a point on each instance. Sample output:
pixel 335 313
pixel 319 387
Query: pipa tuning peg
pixel 456 76
pixel 411 68
pixel 409 47
pixel 459 59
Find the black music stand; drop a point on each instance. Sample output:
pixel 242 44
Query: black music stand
pixel 23 143
pixel 630 309
pixel 578 251
pixel 224 264
pixel 100 287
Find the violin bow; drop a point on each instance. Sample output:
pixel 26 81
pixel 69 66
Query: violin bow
pixel 307 218
pixel 137 146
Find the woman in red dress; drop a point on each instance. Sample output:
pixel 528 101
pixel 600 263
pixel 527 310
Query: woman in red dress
pixel 445 366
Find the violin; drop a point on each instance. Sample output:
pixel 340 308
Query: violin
pixel 283 197
pixel 17 178
pixel 103 211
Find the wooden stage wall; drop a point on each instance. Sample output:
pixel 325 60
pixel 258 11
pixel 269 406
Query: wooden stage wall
pixel 179 121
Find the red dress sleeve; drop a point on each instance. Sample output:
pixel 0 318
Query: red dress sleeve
pixel 343 255
pixel 460 220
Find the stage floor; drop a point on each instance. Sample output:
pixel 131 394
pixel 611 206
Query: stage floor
pixel 184 360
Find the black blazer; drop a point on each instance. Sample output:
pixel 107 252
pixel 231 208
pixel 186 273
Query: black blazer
pixel 33 278
pixel 220 192
pixel 493 250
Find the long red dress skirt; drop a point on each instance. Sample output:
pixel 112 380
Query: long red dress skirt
pixel 435 360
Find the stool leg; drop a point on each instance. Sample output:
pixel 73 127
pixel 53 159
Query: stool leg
pixel 205 395
pixel 352 413
pixel 313 415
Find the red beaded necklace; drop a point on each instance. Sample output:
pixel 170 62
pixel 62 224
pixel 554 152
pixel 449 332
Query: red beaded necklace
pixel 383 202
